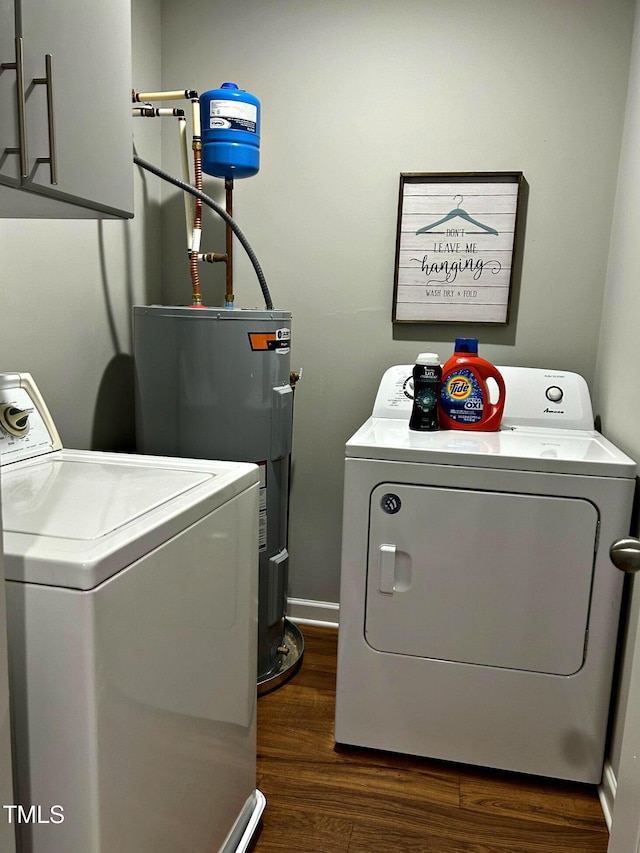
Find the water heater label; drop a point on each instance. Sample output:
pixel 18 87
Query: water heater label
pixel 235 115
pixel 279 340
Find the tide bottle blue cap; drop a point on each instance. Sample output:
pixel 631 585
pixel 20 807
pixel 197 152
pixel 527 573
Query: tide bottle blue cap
pixel 467 345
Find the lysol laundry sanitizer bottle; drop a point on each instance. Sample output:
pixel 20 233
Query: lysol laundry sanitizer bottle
pixel 465 401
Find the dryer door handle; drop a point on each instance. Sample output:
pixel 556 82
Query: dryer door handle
pixel 387 579
pixel 625 554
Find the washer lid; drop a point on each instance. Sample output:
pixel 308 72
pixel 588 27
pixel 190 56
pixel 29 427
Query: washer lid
pixel 74 518
pixel 518 448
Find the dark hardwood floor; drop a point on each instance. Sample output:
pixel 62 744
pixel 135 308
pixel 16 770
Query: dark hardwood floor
pixel 327 799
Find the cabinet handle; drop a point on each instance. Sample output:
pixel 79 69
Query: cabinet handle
pixel 47 80
pixel 18 66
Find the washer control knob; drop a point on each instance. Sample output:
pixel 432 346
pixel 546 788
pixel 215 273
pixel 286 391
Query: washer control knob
pixel 554 394
pixel 14 420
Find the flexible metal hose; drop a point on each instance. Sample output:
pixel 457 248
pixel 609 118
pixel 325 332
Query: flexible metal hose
pixel 197 225
pixel 165 176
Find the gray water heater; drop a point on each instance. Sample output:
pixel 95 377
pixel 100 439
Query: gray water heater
pixel 216 384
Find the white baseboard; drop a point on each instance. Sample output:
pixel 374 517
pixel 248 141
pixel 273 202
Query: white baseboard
pixel 607 792
pixel 306 612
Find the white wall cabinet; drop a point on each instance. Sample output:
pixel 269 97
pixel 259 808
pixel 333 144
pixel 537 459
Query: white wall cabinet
pixel 65 99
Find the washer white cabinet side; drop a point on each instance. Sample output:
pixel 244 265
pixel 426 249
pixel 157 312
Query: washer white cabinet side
pixel 89 45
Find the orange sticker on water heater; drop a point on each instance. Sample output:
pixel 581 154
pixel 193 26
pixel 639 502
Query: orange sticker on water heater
pixel 264 341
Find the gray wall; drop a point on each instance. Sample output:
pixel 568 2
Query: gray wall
pixel 353 93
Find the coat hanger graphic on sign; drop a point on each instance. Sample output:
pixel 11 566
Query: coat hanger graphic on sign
pixel 457 212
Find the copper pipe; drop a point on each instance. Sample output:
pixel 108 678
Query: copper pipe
pixel 229 297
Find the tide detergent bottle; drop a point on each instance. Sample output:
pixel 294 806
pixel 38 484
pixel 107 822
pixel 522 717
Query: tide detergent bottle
pixel 465 401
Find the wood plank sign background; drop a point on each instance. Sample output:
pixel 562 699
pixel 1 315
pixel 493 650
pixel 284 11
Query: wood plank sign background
pixel 454 248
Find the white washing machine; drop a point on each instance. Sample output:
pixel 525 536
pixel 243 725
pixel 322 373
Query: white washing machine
pixel 478 606
pixel 131 589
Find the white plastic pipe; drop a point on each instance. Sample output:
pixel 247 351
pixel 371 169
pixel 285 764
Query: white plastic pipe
pixel 185 94
pixel 195 118
pixel 184 156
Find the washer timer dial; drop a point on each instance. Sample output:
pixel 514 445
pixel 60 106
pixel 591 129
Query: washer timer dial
pixel 14 419
pixel 26 427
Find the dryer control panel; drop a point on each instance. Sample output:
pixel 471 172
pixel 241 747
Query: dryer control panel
pixel 26 426
pixel 536 397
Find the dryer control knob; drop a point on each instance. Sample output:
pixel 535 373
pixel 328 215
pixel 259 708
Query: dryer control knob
pixel 554 394
pixel 14 420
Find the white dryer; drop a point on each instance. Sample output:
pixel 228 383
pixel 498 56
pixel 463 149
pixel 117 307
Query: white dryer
pixel 478 606
pixel 131 589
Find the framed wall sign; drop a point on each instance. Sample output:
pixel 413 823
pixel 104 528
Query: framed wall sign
pixel 454 247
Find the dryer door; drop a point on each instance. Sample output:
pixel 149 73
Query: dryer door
pixel 490 578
